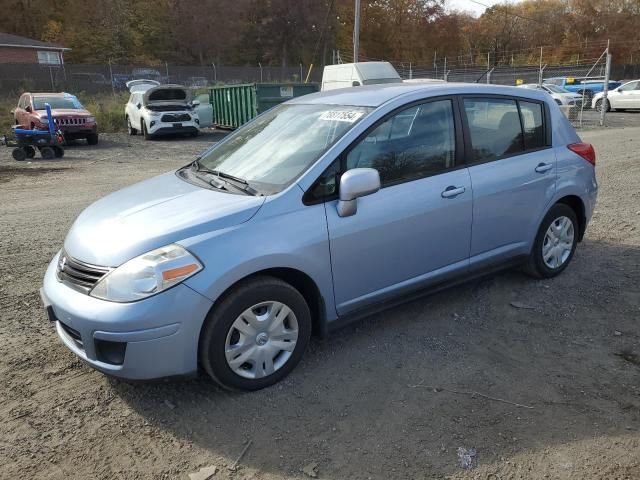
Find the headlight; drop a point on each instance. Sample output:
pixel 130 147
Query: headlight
pixel 90 119
pixel 153 113
pixel 147 275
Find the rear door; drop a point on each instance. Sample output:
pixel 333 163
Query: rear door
pixel 513 173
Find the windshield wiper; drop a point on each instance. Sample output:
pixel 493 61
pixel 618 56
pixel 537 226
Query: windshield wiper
pixel 228 179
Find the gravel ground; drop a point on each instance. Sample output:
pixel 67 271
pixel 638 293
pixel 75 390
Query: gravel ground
pixel 393 396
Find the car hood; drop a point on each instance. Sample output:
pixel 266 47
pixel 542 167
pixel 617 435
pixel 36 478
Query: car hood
pixel 71 112
pixel 151 214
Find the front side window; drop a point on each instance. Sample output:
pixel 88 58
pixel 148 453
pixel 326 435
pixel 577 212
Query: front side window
pixel 414 143
pixel 629 86
pixel 279 145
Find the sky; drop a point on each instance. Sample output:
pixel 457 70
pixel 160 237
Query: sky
pixel 468 5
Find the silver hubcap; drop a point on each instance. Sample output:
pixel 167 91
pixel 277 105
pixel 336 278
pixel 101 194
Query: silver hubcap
pixel 261 340
pixel 558 242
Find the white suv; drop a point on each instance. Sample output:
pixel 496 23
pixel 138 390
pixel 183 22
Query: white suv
pixel 160 110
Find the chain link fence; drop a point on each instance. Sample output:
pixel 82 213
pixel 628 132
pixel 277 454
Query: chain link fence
pixel 88 78
pixel 580 70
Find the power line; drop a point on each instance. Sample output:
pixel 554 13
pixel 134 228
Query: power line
pixel 508 12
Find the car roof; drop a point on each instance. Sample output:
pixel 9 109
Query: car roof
pixel 47 94
pixel 376 95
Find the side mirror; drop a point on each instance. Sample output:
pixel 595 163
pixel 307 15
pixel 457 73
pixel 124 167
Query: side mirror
pixel 28 109
pixel 139 105
pixel 356 183
pixel 355 83
pixel 195 103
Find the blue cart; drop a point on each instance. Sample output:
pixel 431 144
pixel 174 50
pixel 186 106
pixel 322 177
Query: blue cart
pixel 48 142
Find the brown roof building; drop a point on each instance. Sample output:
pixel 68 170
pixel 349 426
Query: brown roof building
pixel 16 49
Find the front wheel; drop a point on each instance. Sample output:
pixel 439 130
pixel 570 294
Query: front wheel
pixel 145 132
pixel 256 335
pixel 599 105
pixel 92 139
pixel 130 130
pixel 555 243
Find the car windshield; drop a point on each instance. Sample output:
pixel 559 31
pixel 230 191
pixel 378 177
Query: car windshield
pixel 556 89
pixel 56 102
pixel 279 145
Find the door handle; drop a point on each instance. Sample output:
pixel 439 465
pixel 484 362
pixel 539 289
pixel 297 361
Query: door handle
pixel 452 191
pixel 544 167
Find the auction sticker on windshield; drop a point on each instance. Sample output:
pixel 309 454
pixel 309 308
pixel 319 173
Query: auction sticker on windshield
pixel 349 116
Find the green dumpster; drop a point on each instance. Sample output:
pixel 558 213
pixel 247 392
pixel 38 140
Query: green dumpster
pixel 234 105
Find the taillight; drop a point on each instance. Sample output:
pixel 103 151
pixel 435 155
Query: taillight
pixel 585 150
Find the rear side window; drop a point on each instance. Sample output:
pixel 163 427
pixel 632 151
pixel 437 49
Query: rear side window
pixel 503 127
pixel 532 124
pixel 494 125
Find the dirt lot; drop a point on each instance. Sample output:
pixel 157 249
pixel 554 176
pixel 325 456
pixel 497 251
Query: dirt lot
pixel 376 400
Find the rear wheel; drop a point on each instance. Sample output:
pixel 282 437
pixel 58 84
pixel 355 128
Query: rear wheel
pixel 58 151
pixel 256 335
pixel 92 139
pixel 555 243
pixel 587 97
pixel 30 151
pixel 47 153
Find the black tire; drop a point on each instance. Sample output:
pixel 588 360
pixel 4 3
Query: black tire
pixel 30 151
pixel 587 97
pixel 59 151
pixel 194 133
pixel 92 139
pixel 145 132
pixel 19 154
pixel 47 153
pixel 218 325
pixel 599 105
pixel 536 266
pixel 130 130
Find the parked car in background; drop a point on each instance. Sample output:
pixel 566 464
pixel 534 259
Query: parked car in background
pixel 120 80
pixel 204 109
pixel 197 82
pixel 347 75
pixel 69 115
pixel 322 209
pixel 587 87
pixel 155 110
pixel 144 73
pixel 560 95
pixel 88 81
pixel 624 97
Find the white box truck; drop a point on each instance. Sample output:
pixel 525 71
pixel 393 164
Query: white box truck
pixel 347 75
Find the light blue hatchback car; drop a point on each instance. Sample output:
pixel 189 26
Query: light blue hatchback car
pixel 325 208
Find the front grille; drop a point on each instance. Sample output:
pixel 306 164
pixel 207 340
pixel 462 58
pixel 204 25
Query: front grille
pixel 79 275
pixel 176 117
pixel 70 121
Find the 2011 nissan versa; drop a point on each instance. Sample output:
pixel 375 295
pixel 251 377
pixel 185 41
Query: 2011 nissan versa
pixel 320 210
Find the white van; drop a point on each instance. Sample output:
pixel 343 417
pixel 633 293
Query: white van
pixel 347 75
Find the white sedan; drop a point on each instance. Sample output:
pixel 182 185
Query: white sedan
pixel 625 96
pixel 559 94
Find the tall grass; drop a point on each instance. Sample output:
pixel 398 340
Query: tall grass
pixel 108 108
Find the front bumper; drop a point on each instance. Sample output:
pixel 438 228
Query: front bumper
pixel 158 336
pixel 166 128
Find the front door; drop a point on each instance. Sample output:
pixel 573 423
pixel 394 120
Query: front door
pixel 416 229
pixel 513 172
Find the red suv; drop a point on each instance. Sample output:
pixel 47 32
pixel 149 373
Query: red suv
pixel 68 114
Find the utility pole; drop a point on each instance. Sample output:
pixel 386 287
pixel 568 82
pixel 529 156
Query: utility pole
pixel 356 31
